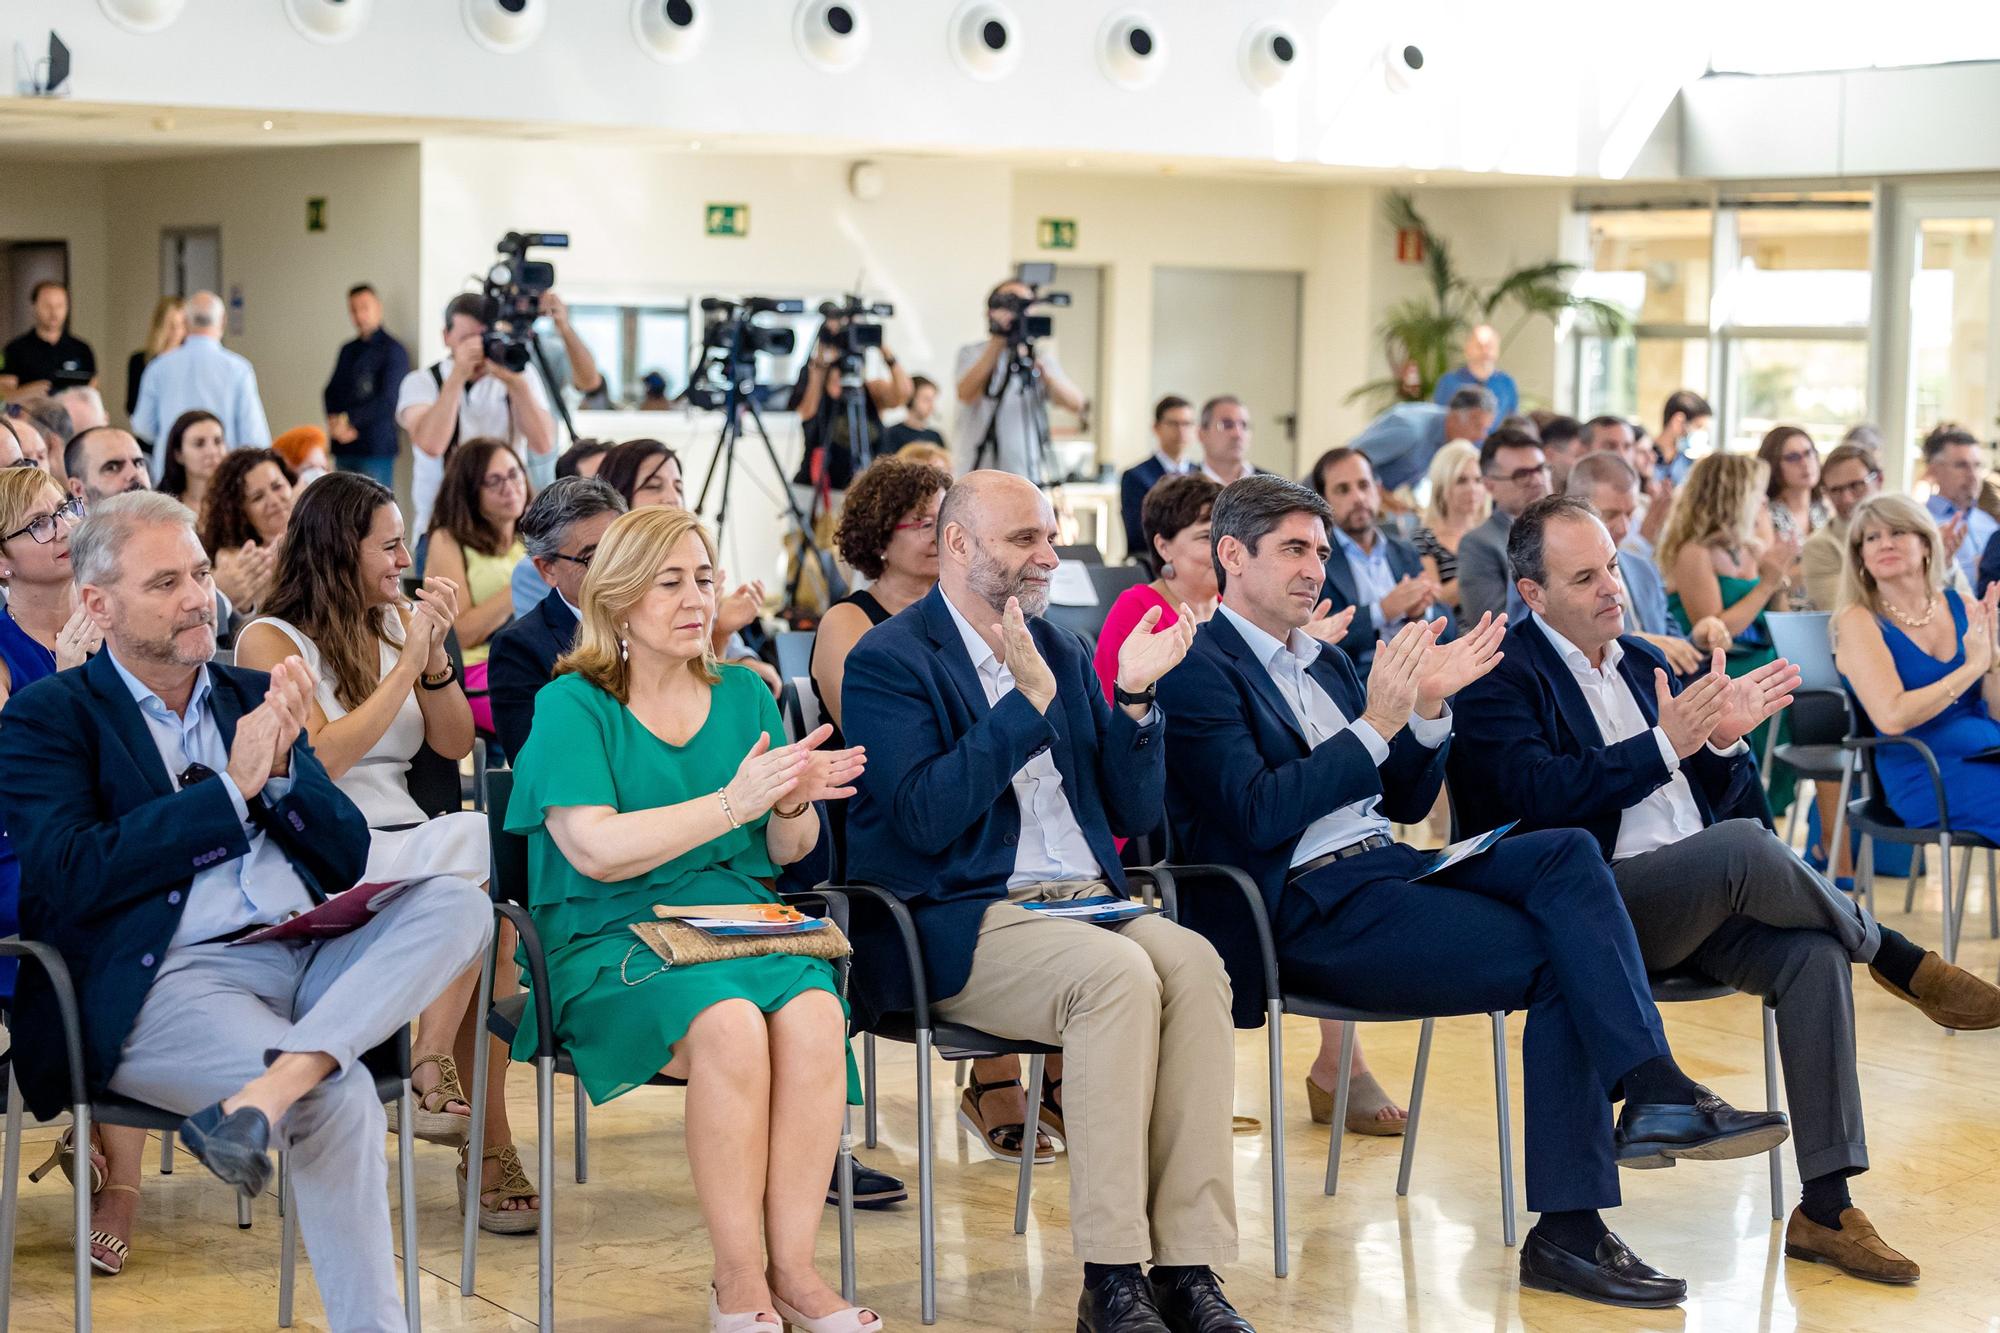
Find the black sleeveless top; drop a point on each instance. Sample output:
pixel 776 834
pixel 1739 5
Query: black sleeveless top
pixel 836 811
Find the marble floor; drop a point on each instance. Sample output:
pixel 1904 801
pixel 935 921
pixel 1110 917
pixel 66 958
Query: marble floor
pixel 631 1253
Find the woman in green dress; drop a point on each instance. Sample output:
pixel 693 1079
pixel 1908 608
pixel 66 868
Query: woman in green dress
pixel 651 777
pixel 1716 565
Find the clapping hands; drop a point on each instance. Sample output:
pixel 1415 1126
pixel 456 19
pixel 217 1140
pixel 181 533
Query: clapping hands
pixel 1448 668
pixel 1149 653
pixel 262 748
pixel 801 771
pixel 1329 629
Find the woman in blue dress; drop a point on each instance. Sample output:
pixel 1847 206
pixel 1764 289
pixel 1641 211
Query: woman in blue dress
pixel 1922 661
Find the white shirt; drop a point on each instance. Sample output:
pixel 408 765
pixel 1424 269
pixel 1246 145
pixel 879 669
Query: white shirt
pixel 1320 718
pixel 1051 845
pixel 483 410
pixel 1015 436
pixel 1220 480
pixel 1173 467
pixel 1669 813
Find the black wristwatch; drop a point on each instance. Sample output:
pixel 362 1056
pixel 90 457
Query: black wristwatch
pixel 1125 696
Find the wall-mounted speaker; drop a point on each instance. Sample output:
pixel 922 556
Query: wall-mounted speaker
pixel 1268 55
pixel 505 26
pixel 1404 66
pixel 1130 49
pixel 832 34
pixel 985 39
pixel 328 20
pixel 669 31
pixel 142 15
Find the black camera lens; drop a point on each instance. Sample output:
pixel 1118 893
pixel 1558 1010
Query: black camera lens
pixel 1282 50
pixel 840 19
pixel 1141 41
pixel 994 34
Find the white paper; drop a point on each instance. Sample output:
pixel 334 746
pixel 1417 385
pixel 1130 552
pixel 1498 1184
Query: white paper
pixel 1070 585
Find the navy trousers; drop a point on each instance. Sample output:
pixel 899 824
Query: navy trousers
pixel 1535 923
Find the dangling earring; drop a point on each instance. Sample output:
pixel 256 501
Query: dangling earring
pixel 1167 570
pixel 624 648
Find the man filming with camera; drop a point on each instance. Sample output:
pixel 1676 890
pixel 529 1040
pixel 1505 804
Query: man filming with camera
pixel 468 396
pixel 819 399
pixel 993 394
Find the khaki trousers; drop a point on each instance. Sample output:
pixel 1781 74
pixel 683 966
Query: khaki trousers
pixel 1142 1014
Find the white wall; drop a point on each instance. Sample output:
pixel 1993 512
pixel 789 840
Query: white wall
pixel 294 282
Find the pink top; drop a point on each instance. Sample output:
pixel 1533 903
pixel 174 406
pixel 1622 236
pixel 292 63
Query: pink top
pixel 1125 615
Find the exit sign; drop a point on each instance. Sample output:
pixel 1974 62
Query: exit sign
pixel 1056 234
pixel 316 214
pixel 727 219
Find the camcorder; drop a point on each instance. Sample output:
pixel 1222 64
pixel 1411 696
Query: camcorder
pixel 731 338
pixel 1025 328
pixel 851 326
pixel 513 294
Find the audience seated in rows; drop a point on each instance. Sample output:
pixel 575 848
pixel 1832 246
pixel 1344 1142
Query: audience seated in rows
pixel 998 775
pixel 139 875
pixel 243 523
pixel 656 775
pixel 1370 571
pixel 386 691
pixel 473 546
pixel 1285 765
pixel 1602 736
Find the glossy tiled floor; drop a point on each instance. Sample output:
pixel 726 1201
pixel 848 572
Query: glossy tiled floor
pixel 631 1254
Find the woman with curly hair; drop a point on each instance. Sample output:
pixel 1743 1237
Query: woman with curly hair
pixel 474 547
pixel 243 523
pixel 195 451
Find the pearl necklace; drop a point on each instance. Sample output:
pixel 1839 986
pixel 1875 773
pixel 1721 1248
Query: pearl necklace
pixel 1915 622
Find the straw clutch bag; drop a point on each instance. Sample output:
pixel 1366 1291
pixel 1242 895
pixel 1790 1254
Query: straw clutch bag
pixel 689 935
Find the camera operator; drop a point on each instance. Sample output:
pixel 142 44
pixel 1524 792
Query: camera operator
pixel 464 397
pixel 986 388
pixel 816 397
pixel 569 359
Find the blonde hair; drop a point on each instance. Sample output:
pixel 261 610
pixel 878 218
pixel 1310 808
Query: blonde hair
pixel 622 572
pixel 1717 506
pixel 923 451
pixel 1899 514
pixel 20 488
pixel 1446 464
pixel 157 331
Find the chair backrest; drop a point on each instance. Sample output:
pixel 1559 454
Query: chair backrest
pixel 510 850
pixel 1804 639
pixel 1820 717
pixel 1086 554
pixel 795 650
pixel 801 707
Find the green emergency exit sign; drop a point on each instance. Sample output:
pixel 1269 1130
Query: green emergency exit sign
pixel 1056 234
pixel 727 219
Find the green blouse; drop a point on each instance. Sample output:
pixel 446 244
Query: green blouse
pixel 617 1009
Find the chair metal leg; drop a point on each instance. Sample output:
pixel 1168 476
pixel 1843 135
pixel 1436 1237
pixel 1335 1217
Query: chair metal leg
pixel 961 1070
pixel 475 1143
pixel 1866 871
pixel 167 1152
pixel 1836 841
pixel 80 1117
pixel 1910 891
pixel 1964 892
pixel 243 1212
pixel 582 1134
pixel 1340 1090
pixel 1992 897
pixel 9 1201
pixel 1274 1118
pixel 545 1179
pixel 1506 1127
pixel 845 1166
pixel 868 1088
pixel 1792 826
pixel 406 1180
pixel 1027 1174
pixel 926 1205
pixel 1416 1108
pixel 1950 915
pixel 288 1242
pixel 1771 1102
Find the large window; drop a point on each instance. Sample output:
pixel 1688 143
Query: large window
pixel 1656 265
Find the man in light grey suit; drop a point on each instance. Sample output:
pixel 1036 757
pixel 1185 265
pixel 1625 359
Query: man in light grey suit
pixel 1516 474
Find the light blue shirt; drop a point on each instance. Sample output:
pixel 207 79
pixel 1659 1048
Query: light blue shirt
pixel 1506 397
pixel 257 887
pixel 1320 718
pixel 200 373
pixel 1373 579
pixel 1979 529
pixel 528 588
pixel 1400 443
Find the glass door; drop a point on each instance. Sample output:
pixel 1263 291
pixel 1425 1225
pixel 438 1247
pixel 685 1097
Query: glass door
pixel 1951 316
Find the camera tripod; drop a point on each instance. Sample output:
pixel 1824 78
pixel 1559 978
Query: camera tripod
pixel 1034 406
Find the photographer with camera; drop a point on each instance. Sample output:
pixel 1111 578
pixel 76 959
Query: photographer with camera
pixel 466 396
pixel 993 395
pixel 569 359
pixel 817 397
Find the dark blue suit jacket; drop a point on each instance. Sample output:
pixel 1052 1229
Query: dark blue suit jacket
pixel 1132 488
pixel 1529 748
pixel 1989 564
pixel 109 849
pixel 1342 590
pixel 523 660
pixel 934 819
pixel 1245 785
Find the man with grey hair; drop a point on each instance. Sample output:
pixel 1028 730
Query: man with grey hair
pixel 85 406
pixel 1401 441
pixel 200 374
pixel 166 810
pixel 1608 483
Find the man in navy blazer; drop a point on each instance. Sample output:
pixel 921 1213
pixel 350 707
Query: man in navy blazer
pixel 1285 766
pixel 1173 432
pixel 164 808
pixel 997 776
pixel 1594 732
pixel 1380 575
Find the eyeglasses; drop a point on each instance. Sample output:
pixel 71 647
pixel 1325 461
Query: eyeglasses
pixel 583 560
pixel 1855 488
pixel 918 525
pixel 503 482
pixel 195 773
pixel 43 529
pixel 1520 476
pixel 1797 456
pixel 24 462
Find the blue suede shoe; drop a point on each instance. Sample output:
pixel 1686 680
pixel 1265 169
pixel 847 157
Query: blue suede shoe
pixel 236 1146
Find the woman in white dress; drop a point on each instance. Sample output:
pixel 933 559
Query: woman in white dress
pixel 387 688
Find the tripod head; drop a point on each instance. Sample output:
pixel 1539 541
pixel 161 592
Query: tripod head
pixel 731 339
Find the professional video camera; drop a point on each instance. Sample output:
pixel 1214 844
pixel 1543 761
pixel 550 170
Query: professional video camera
pixel 1019 366
pixel 513 292
pixel 730 341
pixel 850 325
pixel 1026 327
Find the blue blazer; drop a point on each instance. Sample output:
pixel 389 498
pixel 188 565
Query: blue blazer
pixel 1343 591
pixel 1529 748
pixel 1245 785
pixel 523 660
pixel 934 818
pixel 109 849
pixel 1132 488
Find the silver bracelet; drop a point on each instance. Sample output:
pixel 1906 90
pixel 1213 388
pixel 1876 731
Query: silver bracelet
pixel 722 794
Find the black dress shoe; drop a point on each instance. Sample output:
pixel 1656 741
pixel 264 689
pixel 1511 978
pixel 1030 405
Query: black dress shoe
pixel 872 1188
pixel 1122 1303
pixel 236 1146
pixel 1191 1301
pixel 1711 1130
pixel 1616 1277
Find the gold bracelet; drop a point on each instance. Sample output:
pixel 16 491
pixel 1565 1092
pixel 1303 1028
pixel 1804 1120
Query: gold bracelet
pixel 793 813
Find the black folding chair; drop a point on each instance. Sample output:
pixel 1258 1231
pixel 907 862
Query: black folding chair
pixel 509 887
pixel 389 1063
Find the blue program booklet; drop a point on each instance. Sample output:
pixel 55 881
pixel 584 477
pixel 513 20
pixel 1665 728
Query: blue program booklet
pixel 722 928
pixel 1464 850
pixel 1100 911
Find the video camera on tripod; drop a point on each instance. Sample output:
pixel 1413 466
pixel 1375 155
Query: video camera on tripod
pixel 1020 371
pixel 851 328
pixel 1025 328
pixel 513 292
pixel 731 338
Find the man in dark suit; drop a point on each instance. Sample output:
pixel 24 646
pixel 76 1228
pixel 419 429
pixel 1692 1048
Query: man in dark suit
pixel 1596 734
pixel 997 775
pixel 163 808
pixel 1173 433
pixel 1285 766
pixel 1381 576
pixel 1516 474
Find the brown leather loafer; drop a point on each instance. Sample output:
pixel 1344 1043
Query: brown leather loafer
pixel 1949 995
pixel 1855 1249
